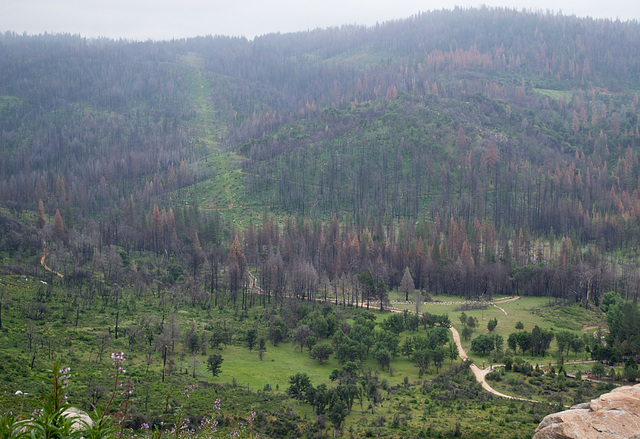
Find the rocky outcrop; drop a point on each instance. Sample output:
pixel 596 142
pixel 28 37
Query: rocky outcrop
pixel 614 415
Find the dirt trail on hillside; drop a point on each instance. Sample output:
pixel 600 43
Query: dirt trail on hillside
pixel 44 265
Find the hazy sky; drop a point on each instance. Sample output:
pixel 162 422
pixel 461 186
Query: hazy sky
pixel 166 19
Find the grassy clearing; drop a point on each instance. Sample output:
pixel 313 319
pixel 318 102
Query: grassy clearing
pixel 555 94
pixel 278 364
pixel 531 311
pixel 224 188
pixel 77 344
pixel 284 360
pixel 364 56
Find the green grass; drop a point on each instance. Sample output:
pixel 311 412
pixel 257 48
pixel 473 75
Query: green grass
pixel 224 188
pixel 279 362
pixel 406 410
pixel 364 56
pixel 417 408
pixel 555 94
pixel 285 360
pixel 531 311
pixel 548 388
pixel 77 344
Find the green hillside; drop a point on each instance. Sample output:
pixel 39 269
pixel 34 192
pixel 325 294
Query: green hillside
pixel 215 195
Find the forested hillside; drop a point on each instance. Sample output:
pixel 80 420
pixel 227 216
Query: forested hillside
pixel 488 150
pixel 477 153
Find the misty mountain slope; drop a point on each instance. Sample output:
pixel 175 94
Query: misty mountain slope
pixel 526 120
pixel 508 128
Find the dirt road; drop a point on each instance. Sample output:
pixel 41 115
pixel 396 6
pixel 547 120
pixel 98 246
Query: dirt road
pixel 480 374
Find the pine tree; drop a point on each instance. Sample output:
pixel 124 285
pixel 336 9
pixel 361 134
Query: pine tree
pixel 406 284
pixel 197 255
pixel 465 256
pixel 237 266
pixel 214 364
pixel 42 220
pixel 157 226
pixel 58 227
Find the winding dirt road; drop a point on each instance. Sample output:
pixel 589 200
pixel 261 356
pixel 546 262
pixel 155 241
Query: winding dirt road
pixel 479 374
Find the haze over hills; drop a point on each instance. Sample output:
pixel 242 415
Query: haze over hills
pixel 486 152
pixel 495 122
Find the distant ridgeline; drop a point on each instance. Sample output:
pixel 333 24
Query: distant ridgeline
pixel 487 150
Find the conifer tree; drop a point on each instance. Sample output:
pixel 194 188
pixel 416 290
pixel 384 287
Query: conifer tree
pixel 42 220
pixel 237 266
pixel 58 227
pixel 406 284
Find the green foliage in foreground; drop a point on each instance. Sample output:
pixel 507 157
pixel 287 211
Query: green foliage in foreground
pixel 450 405
pixel 406 385
pixel 554 385
pixel 55 418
